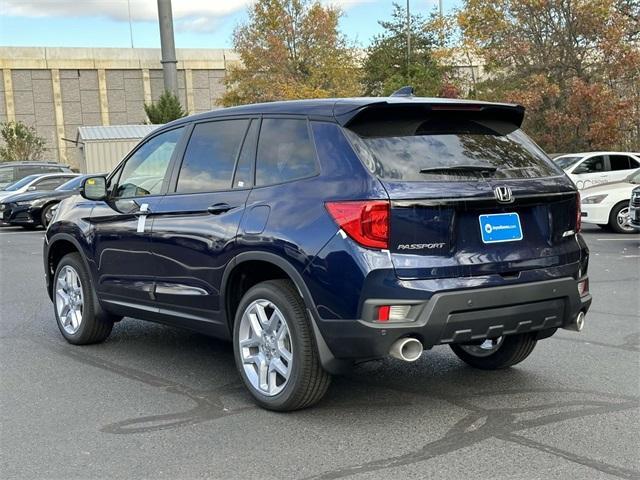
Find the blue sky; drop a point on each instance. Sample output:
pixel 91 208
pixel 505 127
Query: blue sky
pixel 198 23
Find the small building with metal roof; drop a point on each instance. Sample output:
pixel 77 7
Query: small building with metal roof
pixel 102 147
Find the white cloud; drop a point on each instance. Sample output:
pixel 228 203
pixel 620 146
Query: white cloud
pixel 188 14
pixel 194 15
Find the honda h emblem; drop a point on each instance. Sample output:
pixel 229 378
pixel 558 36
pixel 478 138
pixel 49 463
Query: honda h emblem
pixel 503 194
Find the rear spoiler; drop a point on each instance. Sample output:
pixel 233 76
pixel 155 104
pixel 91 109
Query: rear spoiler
pixel 346 112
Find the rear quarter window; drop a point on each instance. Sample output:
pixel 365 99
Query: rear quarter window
pixel 285 151
pixel 399 148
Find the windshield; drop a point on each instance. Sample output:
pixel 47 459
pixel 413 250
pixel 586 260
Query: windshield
pixel 21 183
pixel 450 149
pixel 72 184
pixel 634 177
pixel 566 162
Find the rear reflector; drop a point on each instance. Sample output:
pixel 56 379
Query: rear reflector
pixel 383 313
pixel 367 221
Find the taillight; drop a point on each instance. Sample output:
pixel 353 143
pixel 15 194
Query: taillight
pixel 578 213
pixel 366 221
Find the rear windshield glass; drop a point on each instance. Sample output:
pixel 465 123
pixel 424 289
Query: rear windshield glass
pixel 447 148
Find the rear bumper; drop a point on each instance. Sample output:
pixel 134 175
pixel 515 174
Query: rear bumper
pixel 464 316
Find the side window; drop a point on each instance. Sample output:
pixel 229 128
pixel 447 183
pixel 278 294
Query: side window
pixel 210 156
pixel 244 171
pixel 144 171
pixel 285 151
pixel 50 183
pixel 621 162
pixel 591 165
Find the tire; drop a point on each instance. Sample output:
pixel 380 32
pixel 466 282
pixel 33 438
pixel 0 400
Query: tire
pixel 280 304
pixel 512 350
pixel 613 218
pixel 94 325
pixel 44 215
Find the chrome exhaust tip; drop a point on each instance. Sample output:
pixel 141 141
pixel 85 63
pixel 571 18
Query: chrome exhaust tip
pixel 577 324
pixel 407 349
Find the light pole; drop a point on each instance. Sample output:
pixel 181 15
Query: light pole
pixel 168 47
pixel 130 27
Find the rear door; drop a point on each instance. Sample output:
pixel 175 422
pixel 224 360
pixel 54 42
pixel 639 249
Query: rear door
pixel 196 224
pixel 621 166
pixel 470 195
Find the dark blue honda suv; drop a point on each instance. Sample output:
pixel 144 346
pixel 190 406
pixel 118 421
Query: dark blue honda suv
pixel 318 234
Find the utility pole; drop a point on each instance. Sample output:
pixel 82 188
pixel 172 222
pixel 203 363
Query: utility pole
pixel 130 26
pixel 440 7
pixel 167 44
pixel 408 44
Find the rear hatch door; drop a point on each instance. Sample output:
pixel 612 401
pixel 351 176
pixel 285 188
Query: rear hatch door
pixel 470 193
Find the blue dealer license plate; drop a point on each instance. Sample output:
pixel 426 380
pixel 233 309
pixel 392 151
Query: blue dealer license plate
pixel 500 227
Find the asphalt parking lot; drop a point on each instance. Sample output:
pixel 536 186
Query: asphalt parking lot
pixel 155 402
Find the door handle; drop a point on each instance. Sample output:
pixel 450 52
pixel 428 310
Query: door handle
pixel 218 208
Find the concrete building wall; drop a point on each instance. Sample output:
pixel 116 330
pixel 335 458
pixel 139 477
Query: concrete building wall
pixel 56 90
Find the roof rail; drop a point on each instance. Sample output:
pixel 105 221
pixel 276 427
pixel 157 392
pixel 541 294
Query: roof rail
pixel 406 91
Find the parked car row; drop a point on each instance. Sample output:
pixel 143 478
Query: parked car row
pixel 30 202
pixel 606 180
pixel 608 206
pixel 11 172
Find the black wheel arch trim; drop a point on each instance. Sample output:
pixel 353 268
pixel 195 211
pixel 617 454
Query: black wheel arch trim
pixel 49 243
pixel 327 359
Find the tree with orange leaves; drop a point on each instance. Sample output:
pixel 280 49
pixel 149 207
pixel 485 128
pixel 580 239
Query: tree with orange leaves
pixel 575 64
pixel 291 49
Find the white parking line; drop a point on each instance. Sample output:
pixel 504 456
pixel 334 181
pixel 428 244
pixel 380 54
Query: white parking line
pixel 617 239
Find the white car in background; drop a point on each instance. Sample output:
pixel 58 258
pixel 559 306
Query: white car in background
pixel 608 205
pixel 595 168
pixel 39 181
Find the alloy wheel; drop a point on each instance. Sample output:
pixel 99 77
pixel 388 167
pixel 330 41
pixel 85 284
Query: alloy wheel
pixel 623 220
pixel 265 347
pixel 69 299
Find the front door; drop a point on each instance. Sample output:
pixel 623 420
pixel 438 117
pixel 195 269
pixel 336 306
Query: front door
pixel 122 224
pixel 195 227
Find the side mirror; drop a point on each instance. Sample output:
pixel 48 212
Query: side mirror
pixel 94 188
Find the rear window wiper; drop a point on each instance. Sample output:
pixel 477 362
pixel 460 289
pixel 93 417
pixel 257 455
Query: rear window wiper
pixel 460 168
